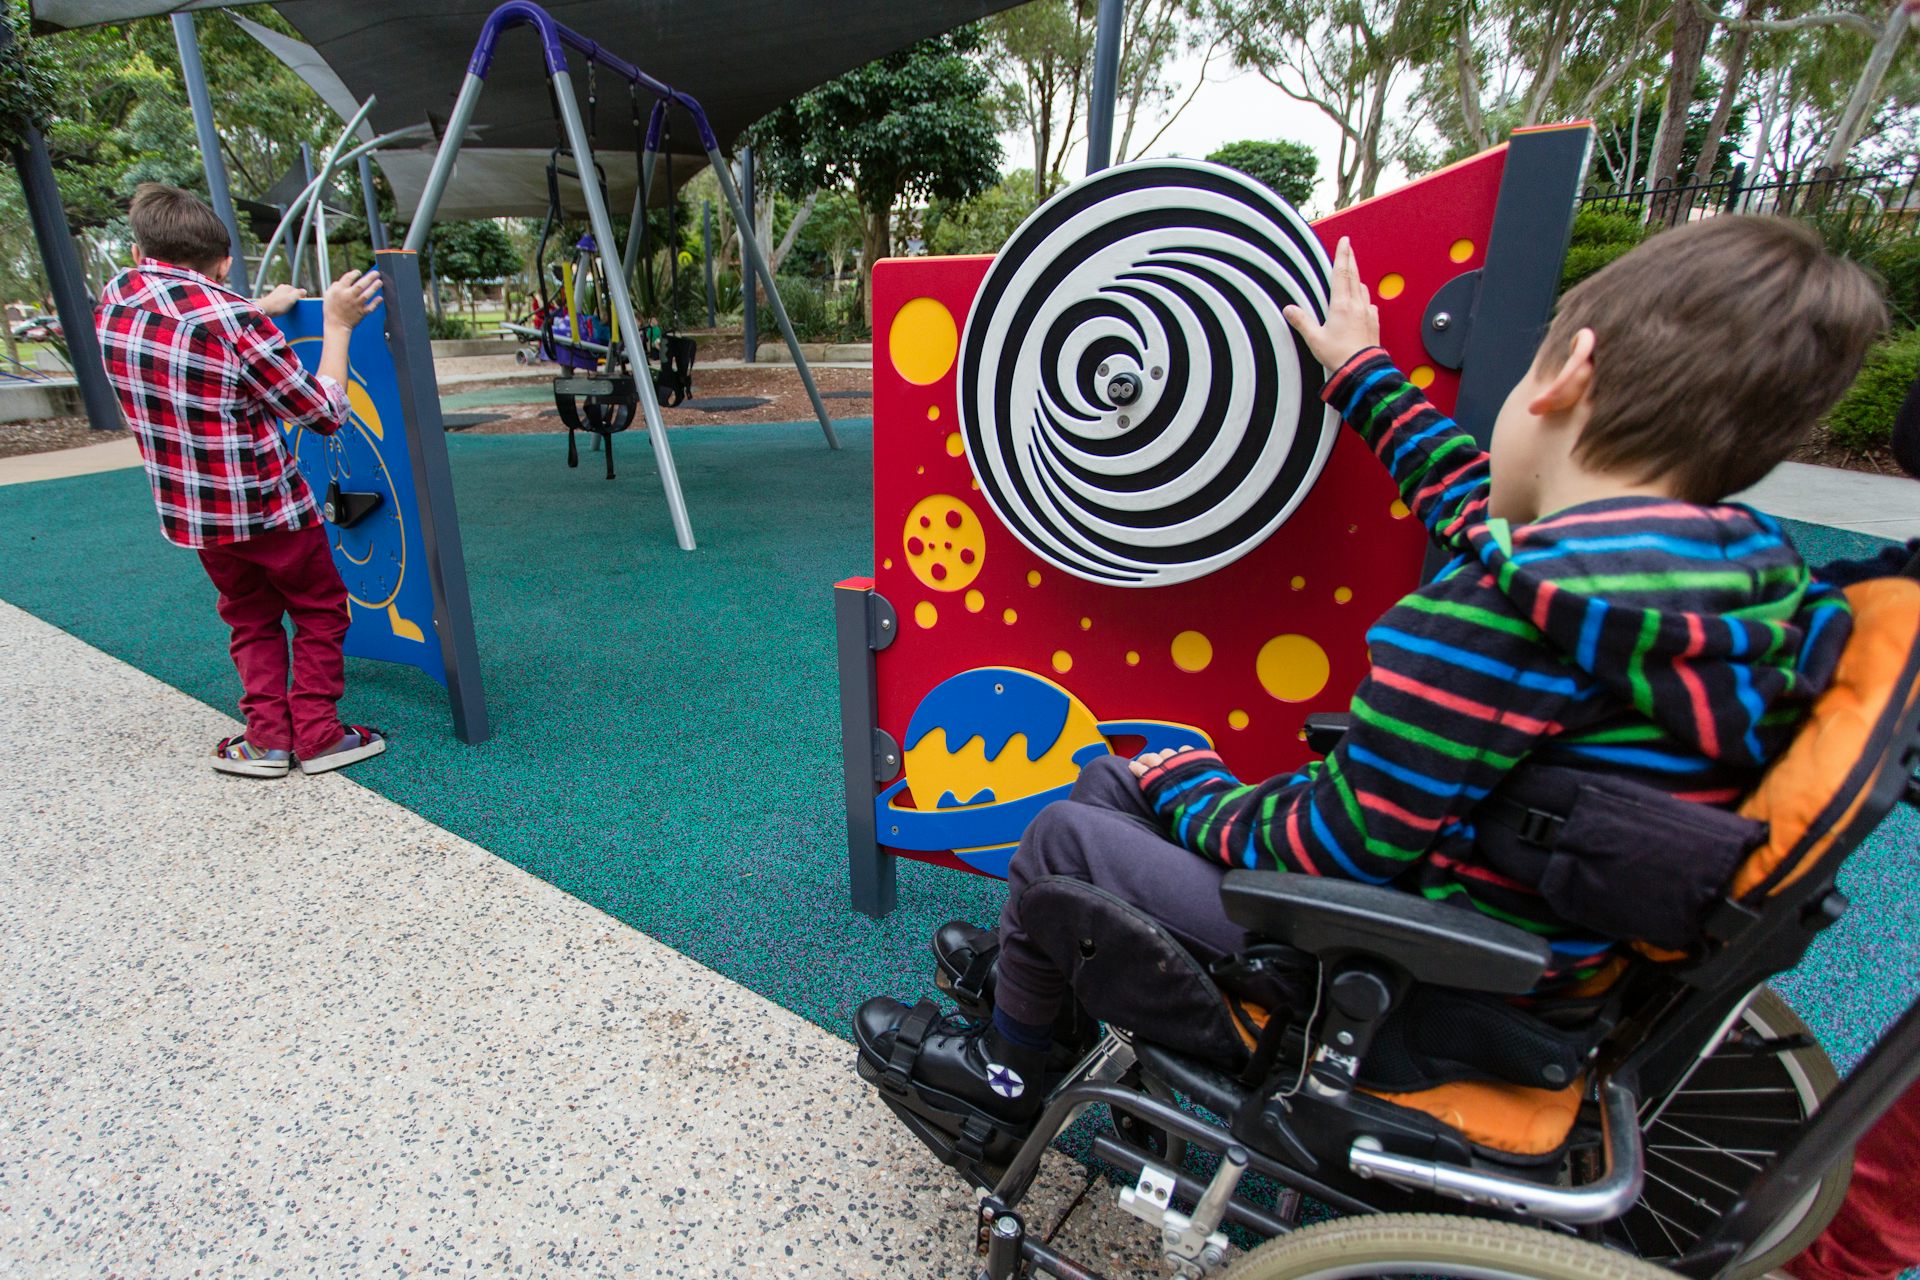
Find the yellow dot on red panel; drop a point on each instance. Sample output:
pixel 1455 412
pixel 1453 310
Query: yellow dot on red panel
pixel 1238 719
pixel 1399 510
pixel 975 601
pixel 886 564
pixel 1009 617
pixel 955 445
pixel 1086 624
pixel 1460 250
pixel 933 413
pixel 1391 285
pixel 919 471
pixel 1062 661
pixel 1298 582
pixel 1292 668
pixel 923 340
pixel 1422 376
pixel 1342 594
pixel 1033 577
pixel 1192 651
pixel 1133 657
pixel 925 614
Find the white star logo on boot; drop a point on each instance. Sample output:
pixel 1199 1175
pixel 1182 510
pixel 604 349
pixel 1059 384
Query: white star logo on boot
pixel 1005 1081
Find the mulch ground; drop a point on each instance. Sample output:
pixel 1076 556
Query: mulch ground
pixel 1821 450
pixel 780 384
pixel 49 435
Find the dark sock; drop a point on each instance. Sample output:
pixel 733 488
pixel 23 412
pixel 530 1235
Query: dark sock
pixel 1037 1036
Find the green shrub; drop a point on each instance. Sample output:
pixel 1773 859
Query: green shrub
pixel 1864 417
pixel 447 327
pixel 1599 236
pixel 1898 265
pixel 818 314
pixel 726 292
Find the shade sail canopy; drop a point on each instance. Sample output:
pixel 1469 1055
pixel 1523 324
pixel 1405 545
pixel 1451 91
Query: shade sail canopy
pixel 739 58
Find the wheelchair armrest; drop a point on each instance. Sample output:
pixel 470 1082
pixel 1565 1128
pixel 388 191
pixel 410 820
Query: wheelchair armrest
pixel 1325 729
pixel 1438 944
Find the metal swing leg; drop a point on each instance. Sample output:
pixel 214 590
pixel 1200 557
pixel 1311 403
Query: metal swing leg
pixel 622 301
pixel 750 248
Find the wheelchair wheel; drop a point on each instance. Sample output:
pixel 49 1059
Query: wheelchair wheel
pixel 1427 1244
pixel 1709 1138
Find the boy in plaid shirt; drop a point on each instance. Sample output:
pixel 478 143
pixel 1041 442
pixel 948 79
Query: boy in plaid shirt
pixel 204 378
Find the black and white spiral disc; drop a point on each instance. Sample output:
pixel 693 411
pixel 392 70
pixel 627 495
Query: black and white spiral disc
pixel 1134 405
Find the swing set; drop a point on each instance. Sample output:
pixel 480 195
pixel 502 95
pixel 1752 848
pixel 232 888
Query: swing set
pixel 604 359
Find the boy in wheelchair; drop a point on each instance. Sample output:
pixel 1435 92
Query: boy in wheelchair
pixel 1610 649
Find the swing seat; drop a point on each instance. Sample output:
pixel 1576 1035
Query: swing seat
pixel 601 403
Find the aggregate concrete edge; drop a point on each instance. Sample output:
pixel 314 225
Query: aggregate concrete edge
pixel 290 1028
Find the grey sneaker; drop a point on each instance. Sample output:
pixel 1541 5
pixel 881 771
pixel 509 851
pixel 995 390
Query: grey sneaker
pixel 357 743
pixel 237 755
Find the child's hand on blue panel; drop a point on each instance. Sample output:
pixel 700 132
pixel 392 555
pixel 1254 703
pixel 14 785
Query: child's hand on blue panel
pixel 1352 323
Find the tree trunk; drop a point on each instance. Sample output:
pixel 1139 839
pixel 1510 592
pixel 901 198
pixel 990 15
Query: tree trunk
pixel 13 344
pixel 798 221
pixel 1690 31
pixel 1550 69
pixel 1470 116
pixel 876 242
pixel 1866 90
pixel 1734 69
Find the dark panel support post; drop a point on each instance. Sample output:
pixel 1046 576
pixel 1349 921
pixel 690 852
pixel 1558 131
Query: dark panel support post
pixel 1526 249
pixel 62 263
pixel 749 280
pixel 1106 83
pixel 706 255
pixel 406 319
pixel 195 77
pixel 870 868
pixel 1512 301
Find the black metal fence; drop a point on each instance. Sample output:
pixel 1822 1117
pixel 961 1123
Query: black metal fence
pixel 1889 200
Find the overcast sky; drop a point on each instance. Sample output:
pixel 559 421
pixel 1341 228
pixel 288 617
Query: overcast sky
pixel 1231 106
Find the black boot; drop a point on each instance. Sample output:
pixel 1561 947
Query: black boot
pixel 966 970
pixel 967 1070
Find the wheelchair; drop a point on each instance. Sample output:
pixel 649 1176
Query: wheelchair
pixel 1648 1136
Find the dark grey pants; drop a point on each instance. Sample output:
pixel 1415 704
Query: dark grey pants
pixel 1105 834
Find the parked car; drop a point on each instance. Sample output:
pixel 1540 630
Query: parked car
pixel 38 329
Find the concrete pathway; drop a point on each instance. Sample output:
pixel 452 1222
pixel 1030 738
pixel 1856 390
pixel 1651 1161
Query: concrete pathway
pixel 1884 506
pixel 290 1028
pixel 115 455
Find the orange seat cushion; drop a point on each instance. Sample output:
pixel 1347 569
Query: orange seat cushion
pixel 1813 770
pixel 1501 1117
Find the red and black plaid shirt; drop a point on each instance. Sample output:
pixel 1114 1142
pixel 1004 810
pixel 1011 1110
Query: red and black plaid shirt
pixel 204 379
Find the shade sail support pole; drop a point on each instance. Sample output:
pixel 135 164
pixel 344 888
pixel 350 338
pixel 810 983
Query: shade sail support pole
pixel 622 299
pixel 1106 80
pixel 194 73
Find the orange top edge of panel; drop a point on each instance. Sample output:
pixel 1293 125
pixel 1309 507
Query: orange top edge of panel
pixel 1477 157
pixel 1554 128
pixel 854 584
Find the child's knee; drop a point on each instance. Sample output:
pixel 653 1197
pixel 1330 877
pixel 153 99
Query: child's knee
pixel 1107 782
pixel 1051 845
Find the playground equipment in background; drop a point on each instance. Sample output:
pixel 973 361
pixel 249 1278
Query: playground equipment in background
pixel 577 140
pixel 1108 499
pixel 386 495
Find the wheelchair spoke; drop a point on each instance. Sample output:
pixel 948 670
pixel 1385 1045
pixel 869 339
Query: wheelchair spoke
pixel 1664 1154
pixel 1712 1146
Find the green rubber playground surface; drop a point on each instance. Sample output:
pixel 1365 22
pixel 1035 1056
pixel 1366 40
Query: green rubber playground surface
pixel 666 724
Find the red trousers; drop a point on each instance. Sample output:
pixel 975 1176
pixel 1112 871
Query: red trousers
pixel 1876 1233
pixel 289 705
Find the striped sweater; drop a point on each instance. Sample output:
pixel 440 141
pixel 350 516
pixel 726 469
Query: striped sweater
pixel 1678 645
